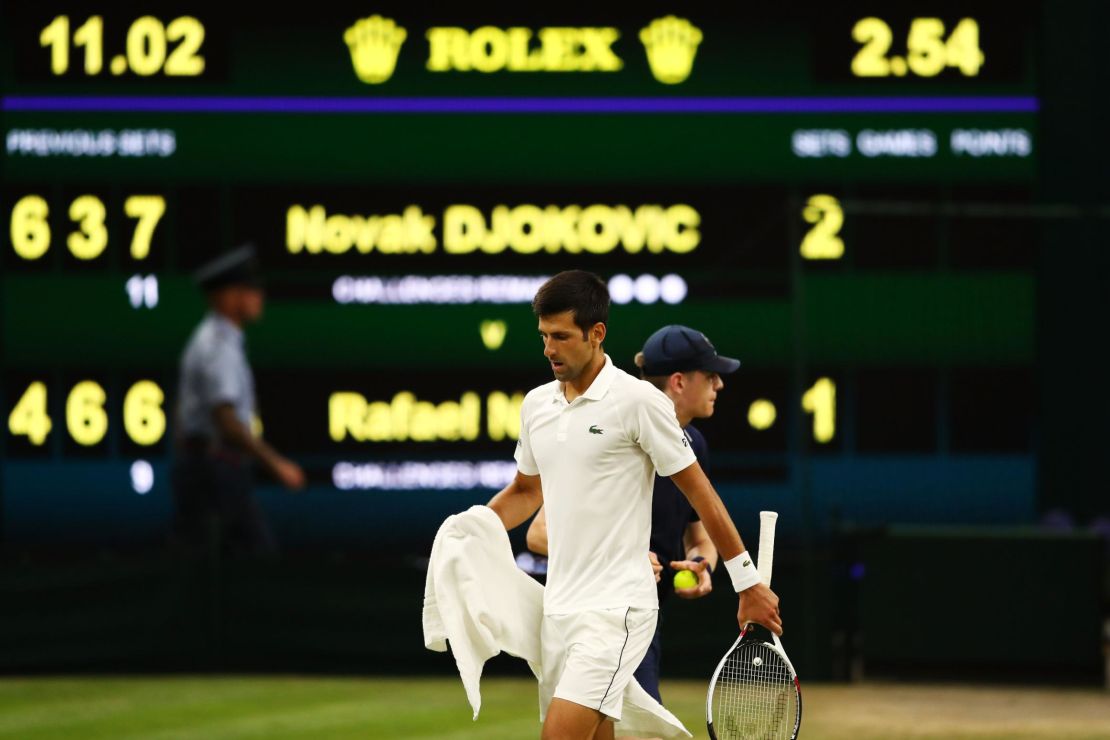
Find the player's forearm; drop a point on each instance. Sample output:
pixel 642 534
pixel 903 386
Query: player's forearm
pixel 701 546
pixel 722 532
pixel 536 539
pixel 514 504
pixel 711 510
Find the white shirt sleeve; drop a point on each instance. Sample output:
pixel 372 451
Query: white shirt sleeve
pixel 655 428
pixel 221 379
pixel 525 461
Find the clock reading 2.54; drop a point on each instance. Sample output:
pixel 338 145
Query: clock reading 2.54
pixel 147 49
pixel 928 53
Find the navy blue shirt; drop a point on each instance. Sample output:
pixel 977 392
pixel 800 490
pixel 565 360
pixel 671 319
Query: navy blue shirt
pixel 671 513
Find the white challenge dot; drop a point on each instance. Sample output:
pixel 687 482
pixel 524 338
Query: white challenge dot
pixel 673 289
pixel 647 289
pixel 620 289
pixel 142 477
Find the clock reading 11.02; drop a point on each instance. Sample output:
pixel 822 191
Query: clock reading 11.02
pixel 152 47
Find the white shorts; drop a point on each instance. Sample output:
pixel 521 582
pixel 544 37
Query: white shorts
pixel 589 657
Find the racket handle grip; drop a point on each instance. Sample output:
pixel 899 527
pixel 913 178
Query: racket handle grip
pixel 767 521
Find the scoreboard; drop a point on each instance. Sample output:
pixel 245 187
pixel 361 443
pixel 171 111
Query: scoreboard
pixel 837 196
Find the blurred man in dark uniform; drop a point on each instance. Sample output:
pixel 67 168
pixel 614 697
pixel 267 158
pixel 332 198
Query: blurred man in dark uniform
pixel 216 441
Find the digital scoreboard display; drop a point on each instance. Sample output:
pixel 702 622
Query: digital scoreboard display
pixel 834 197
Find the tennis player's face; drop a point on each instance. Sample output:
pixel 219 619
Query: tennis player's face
pixel 564 346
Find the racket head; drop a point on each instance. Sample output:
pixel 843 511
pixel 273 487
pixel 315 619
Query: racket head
pixel 754 693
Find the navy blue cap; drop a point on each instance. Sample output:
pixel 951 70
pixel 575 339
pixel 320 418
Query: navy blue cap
pixel 237 267
pixel 679 349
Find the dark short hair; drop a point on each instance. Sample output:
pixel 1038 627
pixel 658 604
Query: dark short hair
pixel 579 291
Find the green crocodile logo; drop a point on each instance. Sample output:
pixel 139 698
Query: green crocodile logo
pixel 594 429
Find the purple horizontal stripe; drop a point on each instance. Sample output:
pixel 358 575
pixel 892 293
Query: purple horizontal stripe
pixel 183 104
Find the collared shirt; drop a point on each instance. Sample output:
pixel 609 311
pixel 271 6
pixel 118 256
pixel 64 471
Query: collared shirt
pixel 214 371
pixel 597 457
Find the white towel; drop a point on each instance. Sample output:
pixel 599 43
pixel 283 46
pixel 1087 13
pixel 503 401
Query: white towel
pixel 477 599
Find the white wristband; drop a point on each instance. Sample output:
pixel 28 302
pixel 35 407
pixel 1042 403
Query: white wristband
pixel 742 571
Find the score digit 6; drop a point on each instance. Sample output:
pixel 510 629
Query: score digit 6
pixel 143 417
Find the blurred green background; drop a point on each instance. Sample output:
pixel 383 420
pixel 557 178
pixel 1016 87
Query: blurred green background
pixel 953 527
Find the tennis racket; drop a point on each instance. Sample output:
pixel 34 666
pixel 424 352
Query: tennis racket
pixel 754 693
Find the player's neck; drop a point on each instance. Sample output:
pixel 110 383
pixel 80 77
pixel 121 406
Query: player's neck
pixel 684 417
pixel 572 389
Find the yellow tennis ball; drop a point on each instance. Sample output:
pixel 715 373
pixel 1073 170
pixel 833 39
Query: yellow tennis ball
pixel 685 579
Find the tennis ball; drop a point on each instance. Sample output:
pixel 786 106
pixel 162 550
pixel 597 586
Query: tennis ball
pixel 685 579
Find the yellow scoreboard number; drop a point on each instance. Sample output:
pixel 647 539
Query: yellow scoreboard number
pixel 822 241
pixel 29 225
pixel 147 51
pixel 144 420
pixel 928 51
pixel 820 401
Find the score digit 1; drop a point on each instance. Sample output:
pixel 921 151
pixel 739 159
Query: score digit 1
pixel 820 400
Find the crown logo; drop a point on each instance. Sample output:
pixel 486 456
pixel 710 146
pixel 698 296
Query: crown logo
pixel 375 43
pixel 671 44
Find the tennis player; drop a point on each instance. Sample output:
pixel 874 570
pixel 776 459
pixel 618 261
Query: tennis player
pixel 685 365
pixel 595 436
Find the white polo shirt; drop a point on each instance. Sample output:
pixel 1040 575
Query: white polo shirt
pixel 597 457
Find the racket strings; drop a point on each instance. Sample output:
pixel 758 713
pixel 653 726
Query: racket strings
pixel 755 697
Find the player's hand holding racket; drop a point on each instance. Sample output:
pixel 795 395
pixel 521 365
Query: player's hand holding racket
pixel 759 604
pixel 754 692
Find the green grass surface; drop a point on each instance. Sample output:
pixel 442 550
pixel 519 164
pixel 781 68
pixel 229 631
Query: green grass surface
pixel 297 707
